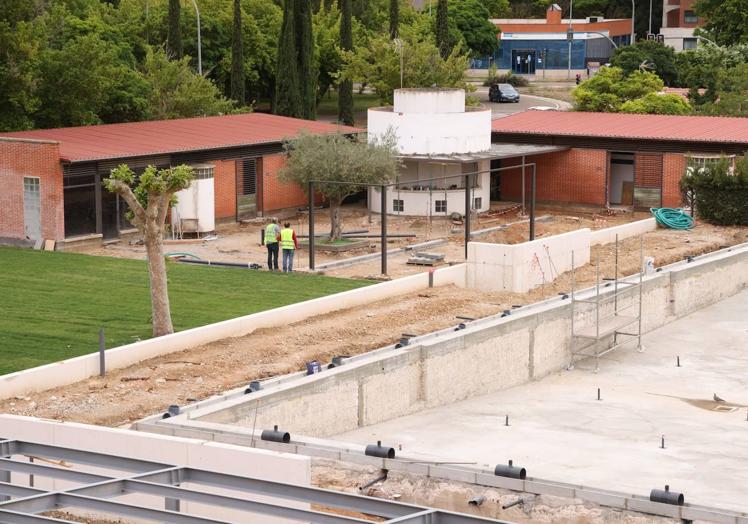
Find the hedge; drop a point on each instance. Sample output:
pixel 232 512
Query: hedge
pixel 718 191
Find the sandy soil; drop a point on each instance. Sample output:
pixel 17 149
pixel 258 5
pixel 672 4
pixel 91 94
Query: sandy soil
pixel 149 387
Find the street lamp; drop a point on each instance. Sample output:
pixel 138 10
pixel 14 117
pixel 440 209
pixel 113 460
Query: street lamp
pixel 633 19
pixel 399 45
pixel 199 47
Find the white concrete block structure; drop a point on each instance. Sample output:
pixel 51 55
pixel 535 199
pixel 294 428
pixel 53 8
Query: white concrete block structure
pixel 440 142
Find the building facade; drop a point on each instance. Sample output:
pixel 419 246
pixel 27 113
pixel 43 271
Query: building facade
pixel 541 46
pixel 52 178
pixel 614 159
pixel 679 19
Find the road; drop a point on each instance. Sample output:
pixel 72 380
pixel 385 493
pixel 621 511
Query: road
pixel 525 102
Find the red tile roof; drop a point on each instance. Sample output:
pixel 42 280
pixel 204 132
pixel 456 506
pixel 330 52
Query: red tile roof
pixel 710 129
pixel 111 141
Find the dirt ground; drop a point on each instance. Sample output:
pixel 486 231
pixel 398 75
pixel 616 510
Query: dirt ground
pixel 149 387
pixel 241 242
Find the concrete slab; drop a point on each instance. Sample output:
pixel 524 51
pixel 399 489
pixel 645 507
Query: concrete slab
pixel 559 430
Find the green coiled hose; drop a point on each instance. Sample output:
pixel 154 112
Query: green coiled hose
pixel 674 218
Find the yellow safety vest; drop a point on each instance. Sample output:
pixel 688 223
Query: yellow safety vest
pixel 270 237
pixel 287 239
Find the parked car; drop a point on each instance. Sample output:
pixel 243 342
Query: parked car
pixel 503 93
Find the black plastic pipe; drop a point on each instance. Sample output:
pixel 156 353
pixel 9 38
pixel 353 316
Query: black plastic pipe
pixel 510 471
pixel 666 496
pixel 377 450
pixel 273 435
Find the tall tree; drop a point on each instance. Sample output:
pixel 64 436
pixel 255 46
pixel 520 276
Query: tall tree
pixel 288 99
pixel 149 198
pixel 345 88
pixel 237 57
pixel 328 159
pixel 174 36
pixel 726 20
pixel 394 18
pixel 442 29
pixel 305 51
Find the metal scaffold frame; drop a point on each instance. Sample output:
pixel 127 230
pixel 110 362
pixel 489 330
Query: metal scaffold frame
pixel 24 502
pixel 626 298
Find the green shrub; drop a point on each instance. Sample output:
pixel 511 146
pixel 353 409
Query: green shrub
pixel 718 191
pixel 491 78
pixel 506 78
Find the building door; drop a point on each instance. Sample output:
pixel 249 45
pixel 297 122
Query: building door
pixel 523 61
pixel 621 183
pixel 246 188
pixel 32 210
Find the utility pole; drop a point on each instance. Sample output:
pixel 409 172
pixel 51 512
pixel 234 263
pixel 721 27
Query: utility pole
pixel 570 36
pixel 633 19
pixel 199 46
pixel 650 17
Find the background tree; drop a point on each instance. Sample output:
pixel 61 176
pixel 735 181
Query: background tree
pixel 394 18
pixel 327 41
pixel 470 19
pixel 378 64
pixel 149 198
pixel 345 88
pixel 726 20
pixel 497 8
pixel 338 158
pixel 237 57
pixel 305 50
pixel 731 97
pixel 442 29
pixel 174 40
pixel 662 59
pixel 658 104
pixel 288 98
pixel 610 89
pixel 176 91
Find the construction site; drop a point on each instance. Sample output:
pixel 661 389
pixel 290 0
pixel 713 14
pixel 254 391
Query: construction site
pixel 471 388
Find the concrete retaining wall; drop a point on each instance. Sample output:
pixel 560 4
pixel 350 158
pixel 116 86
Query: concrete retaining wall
pixel 80 368
pixel 624 231
pixel 489 355
pixel 521 267
pixel 211 456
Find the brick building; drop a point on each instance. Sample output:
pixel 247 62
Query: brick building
pixel 613 159
pixel 51 178
pixel 679 19
pixel 541 46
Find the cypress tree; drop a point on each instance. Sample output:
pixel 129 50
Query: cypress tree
pixel 394 18
pixel 442 29
pixel 174 35
pixel 237 57
pixel 345 89
pixel 305 51
pixel 287 87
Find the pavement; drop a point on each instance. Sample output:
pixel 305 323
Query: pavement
pixel 525 102
pixel 560 431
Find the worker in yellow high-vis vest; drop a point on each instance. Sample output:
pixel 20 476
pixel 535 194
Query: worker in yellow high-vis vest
pixel 289 245
pixel 271 239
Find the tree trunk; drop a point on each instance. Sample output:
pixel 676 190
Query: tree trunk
pixel 160 310
pixel 336 230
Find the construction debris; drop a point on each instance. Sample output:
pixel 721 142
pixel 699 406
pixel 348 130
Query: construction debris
pixel 423 258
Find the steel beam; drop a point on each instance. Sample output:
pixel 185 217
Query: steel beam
pixel 13 517
pixel 50 471
pixel 11 490
pixel 372 506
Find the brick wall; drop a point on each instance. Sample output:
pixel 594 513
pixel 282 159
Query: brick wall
pixel 575 176
pixel 30 158
pixel 277 195
pixel 673 167
pixel 225 189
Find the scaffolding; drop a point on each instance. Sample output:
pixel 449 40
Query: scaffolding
pixel 616 306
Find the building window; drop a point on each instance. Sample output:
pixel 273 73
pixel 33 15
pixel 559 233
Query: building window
pixel 690 43
pixel 477 202
pixel 690 17
pixel 398 205
pixel 440 206
pixel 696 163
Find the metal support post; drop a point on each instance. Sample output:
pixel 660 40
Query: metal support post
pixel 467 213
pixel 597 311
pixel 171 504
pixel 641 279
pixel 532 204
pixel 4 477
pixel 102 354
pixel 383 231
pixel 523 186
pixel 311 226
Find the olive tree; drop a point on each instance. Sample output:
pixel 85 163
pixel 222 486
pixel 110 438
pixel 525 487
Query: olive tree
pixel 330 159
pixel 150 196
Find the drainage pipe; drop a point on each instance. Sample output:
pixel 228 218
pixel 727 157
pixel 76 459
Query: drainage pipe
pixel 377 450
pixel 510 471
pixel 666 496
pixel 243 265
pixel 273 435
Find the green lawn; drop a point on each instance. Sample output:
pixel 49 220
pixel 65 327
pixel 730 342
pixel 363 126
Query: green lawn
pixel 361 102
pixel 53 304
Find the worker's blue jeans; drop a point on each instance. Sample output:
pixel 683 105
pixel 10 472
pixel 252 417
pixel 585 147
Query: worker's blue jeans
pixel 288 260
pixel 272 256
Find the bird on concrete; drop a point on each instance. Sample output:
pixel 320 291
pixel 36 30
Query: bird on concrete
pixel 717 399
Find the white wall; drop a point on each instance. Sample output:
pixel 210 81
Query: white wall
pixel 624 231
pixel 433 134
pixel 80 368
pixel 211 456
pixel 429 100
pixel 521 267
